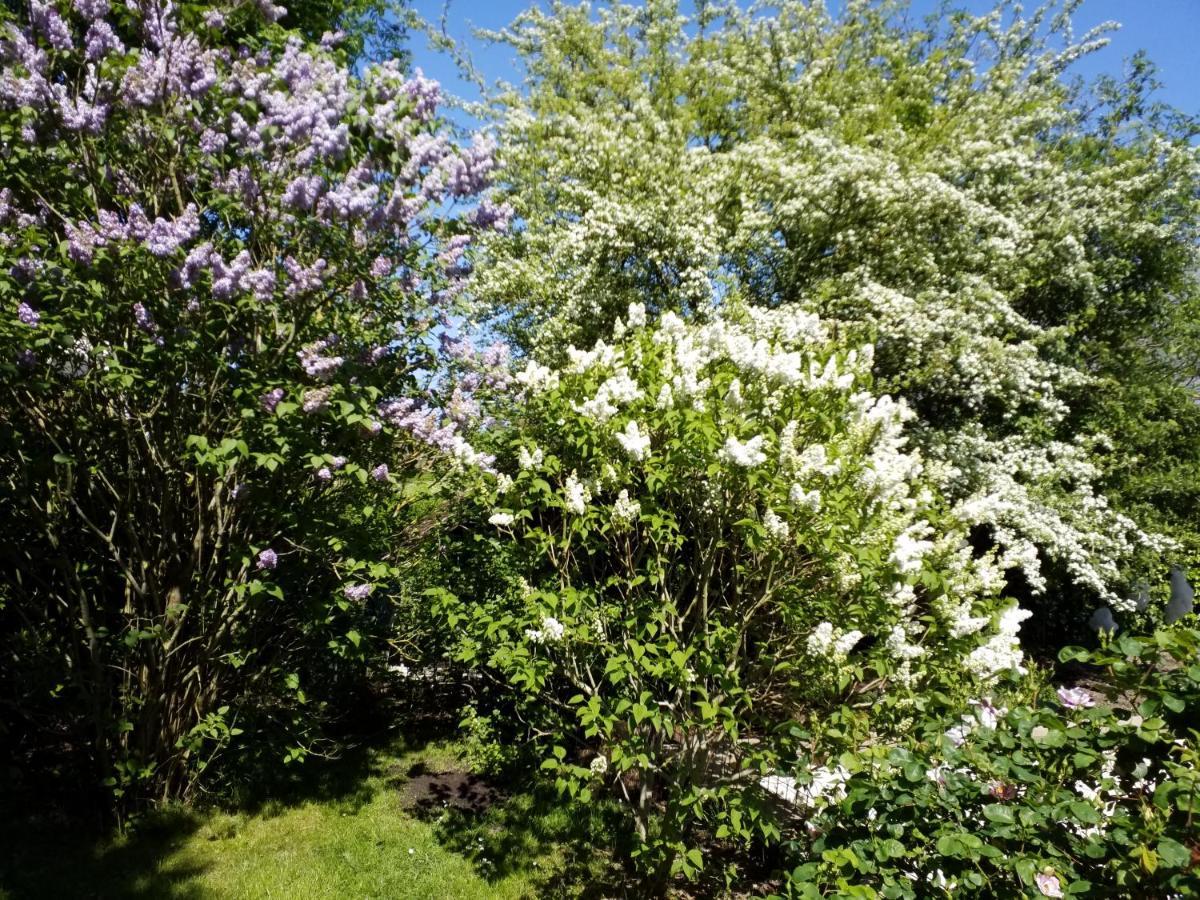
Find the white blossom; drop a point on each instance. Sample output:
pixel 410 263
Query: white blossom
pixel 747 455
pixel 777 528
pixel 576 495
pixel 530 459
pixel 550 632
pixel 537 378
pixel 1002 652
pixel 635 443
pixel 625 510
pixel 810 500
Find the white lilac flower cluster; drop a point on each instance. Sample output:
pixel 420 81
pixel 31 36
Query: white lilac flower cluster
pixel 1002 651
pixel 625 510
pixel 826 786
pixel 826 642
pixel 634 441
pixel 774 358
pixel 551 631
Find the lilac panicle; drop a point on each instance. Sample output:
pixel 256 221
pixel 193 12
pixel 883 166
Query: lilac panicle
pixel 316 363
pixel 45 18
pixel 165 236
pixel 100 41
pixel 271 399
pixel 28 315
pixel 425 94
pixel 315 400
pixel 92 9
pixel 358 592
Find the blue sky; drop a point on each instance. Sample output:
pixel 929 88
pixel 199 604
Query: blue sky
pixel 1169 30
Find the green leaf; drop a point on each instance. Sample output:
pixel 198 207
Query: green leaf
pixel 999 813
pixel 1085 812
pixel 1173 854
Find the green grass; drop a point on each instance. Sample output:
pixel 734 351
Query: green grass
pixel 349 832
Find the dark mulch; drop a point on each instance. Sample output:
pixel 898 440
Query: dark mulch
pixel 425 792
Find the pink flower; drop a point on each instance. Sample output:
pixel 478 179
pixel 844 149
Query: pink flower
pixel 1075 698
pixel 1048 884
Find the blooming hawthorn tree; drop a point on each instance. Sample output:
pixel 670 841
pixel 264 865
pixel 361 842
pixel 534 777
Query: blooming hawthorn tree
pixel 227 279
pixel 1012 250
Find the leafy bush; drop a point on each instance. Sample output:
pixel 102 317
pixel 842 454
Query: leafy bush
pixel 715 534
pixel 1087 791
pixel 222 270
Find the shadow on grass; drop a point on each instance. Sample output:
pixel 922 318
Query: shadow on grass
pixel 49 852
pixel 41 857
pixel 512 825
pixel 515 824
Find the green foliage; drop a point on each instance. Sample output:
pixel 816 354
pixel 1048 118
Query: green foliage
pixel 1098 800
pixel 486 749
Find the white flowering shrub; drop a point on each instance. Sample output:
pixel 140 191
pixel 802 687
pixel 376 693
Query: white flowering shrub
pixel 1010 254
pixel 1079 791
pixel 710 531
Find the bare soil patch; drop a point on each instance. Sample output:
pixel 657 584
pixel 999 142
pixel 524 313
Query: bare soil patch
pixel 427 792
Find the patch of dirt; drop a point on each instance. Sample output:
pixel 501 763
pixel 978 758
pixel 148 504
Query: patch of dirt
pixel 428 792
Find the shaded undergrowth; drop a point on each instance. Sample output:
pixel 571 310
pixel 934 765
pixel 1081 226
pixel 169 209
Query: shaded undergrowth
pixel 394 817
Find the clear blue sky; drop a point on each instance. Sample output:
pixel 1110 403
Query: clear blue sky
pixel 1169 30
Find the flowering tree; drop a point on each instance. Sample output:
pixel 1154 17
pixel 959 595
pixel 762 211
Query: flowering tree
pixel 1012 253
pixel 716 536
pixel 227 275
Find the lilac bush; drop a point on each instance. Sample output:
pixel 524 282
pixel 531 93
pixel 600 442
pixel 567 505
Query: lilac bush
pixel 229 272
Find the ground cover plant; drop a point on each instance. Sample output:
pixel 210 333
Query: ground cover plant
pixel 769 441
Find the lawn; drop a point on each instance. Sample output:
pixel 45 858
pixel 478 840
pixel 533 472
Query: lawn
pixel 391 821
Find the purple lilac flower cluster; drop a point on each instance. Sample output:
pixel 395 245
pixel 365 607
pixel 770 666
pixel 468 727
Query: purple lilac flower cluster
pixel 162 236
pixel 271 399
pixel 316 362
pixel 28 315
pixel 273 131
pixel 358 592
